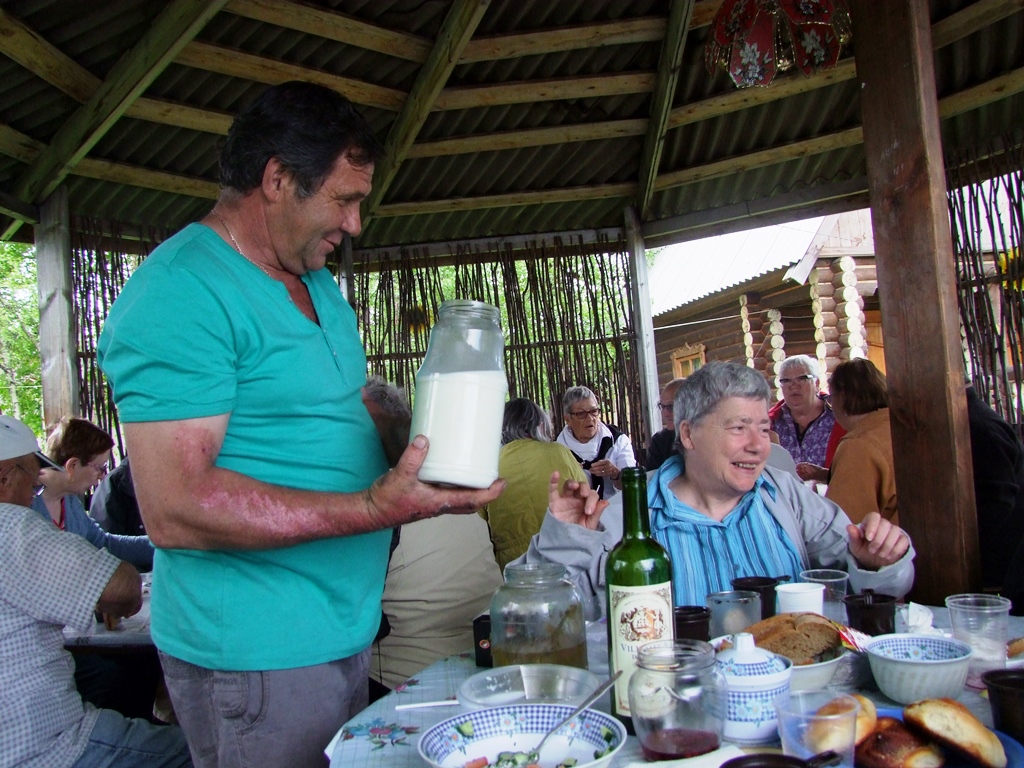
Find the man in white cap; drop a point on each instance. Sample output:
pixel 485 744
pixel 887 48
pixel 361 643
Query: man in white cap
pixel 49 579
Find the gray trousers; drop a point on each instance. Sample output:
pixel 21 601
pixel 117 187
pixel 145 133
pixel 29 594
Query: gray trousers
pixel 265 719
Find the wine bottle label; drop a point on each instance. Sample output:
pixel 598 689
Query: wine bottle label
pixel 636 616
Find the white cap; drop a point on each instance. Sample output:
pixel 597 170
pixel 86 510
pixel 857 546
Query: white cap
pixel 17 440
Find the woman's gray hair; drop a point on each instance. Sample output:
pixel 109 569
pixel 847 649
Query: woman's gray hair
pixel 803 361
pixel 573 395
pixel 525 420
pixel 703 390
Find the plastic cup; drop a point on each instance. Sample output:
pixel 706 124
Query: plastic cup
pixel 764 586
pixel 796 598
pixel 871 613
pixel 835 582
pixel 692 622
pixel 733 612
pixel 1006 697
pixel 812 722
pixel 981 621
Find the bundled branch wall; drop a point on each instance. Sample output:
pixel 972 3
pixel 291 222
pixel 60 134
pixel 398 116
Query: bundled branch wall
pixel 566 315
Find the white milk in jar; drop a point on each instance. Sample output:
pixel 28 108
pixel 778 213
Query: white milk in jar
pixel 460 413
pixel 459 401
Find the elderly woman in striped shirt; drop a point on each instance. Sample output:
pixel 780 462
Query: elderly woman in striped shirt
pixel 721 513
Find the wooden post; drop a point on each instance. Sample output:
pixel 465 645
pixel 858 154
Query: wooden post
pixel 917 291
pixel 58 349
pixel 643 322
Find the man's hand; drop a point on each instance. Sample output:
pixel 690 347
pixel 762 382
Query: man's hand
pixel 808 471
pixel 123 594
pixel 876 542
pixel 399 497
pixel 577 504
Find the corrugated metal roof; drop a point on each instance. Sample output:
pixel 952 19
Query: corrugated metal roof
pixel 445 196
pixel 689 271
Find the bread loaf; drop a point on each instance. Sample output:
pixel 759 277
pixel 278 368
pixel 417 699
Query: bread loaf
pixel 893 745
pixel 1015 647
pixel 801 637
pixel 824 735
pixel 950 723
pixel 867 718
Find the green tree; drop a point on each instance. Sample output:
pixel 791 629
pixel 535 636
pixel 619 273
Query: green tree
pixel 21 392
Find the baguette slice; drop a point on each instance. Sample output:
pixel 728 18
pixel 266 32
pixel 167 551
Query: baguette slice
pixel 1015 647
pixel 951 723
pixel 893 745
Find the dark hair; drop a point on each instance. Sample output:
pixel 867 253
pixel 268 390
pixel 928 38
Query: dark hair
pixel 75 438
pixel 306 126
pixel 860 386
pixel 391 415
pixel 524 420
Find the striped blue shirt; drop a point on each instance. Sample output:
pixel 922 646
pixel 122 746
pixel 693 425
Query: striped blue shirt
pixel 707 555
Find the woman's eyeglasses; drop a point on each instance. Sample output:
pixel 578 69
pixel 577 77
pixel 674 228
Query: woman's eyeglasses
pixel 796 379
pixel 592 413
pixel 100 469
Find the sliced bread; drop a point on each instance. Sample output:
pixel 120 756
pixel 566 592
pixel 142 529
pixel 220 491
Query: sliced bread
pixel 951 723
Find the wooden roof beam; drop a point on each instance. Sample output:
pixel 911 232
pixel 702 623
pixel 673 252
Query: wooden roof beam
pixel 178 23
pixel 18 210
pixel 351 31
pixel 533 137
pixel 25 46
pixel 459 25
pixel 669 61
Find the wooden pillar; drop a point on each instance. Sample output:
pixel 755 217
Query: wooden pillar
pixel 58 349
pixel 917 291
pixel 643 322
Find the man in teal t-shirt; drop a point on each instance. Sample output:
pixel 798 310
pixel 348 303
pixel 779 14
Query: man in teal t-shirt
pixel 237 368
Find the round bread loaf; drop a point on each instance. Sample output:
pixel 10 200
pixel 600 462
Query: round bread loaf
pixel 893 745
pixel 951 723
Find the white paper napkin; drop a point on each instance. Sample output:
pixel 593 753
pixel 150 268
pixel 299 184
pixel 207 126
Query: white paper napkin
pixel 710 760
pixel 918 620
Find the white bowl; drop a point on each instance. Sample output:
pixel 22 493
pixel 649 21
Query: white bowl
pixel 527 684
pixel 592 737
pixel 908 668
pixel 814 677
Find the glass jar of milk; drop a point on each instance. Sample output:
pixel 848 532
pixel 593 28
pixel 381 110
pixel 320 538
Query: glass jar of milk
pixel 460 396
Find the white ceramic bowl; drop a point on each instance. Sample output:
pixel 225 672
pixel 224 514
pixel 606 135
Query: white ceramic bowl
pixel 814 677
pixel 527 684
pixel 592 738
pixel 908 668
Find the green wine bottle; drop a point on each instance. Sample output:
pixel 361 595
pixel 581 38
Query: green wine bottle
pixel 638 576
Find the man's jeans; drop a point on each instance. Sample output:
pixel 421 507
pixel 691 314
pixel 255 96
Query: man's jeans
pixel 265 719
pixel 119 742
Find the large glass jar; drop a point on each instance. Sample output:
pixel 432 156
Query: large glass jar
pixel 677 699
pixel 460 396
pixel 537 618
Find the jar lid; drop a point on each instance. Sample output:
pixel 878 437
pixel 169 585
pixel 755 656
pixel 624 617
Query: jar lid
pixel 745 663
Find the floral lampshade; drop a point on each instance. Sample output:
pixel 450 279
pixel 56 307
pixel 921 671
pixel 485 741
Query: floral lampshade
pixel 753 40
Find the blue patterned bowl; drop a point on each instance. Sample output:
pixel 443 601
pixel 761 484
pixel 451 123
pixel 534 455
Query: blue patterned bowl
pixel 592 738
pixel 908 668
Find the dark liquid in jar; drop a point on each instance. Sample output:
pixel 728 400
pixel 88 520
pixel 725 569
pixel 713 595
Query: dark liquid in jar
pixel 675 743
pixel 571 656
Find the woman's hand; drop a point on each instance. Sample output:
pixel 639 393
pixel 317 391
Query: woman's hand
pixel 876 542
pixel 577 504
pixel 808 471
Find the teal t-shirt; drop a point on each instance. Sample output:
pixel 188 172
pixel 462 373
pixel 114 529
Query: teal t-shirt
pixel 200 331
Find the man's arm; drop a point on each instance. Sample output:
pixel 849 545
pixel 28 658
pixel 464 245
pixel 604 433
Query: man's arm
pixel 188 503
pixel 123 594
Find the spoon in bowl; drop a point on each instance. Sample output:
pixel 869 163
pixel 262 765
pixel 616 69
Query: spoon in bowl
pixel 534 754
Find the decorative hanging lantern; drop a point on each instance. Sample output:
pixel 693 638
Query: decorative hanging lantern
pixel 753 40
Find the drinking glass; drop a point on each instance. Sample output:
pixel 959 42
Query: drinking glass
pixel 692 622
pixel 871 613
pixel 812 722
pixel 765 587
pixel 835 582
pixel 981 621
pixel 733 612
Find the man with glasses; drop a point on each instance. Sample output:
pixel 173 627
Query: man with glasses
pixel 803 419
pixel 663 442
pixel 602 450
pixel 45 572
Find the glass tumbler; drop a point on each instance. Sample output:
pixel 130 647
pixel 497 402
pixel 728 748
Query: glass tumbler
pixel 677 699
pixel 981 621
pixel 733 612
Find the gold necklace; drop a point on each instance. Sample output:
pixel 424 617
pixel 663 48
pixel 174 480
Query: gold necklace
pixel 238 247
